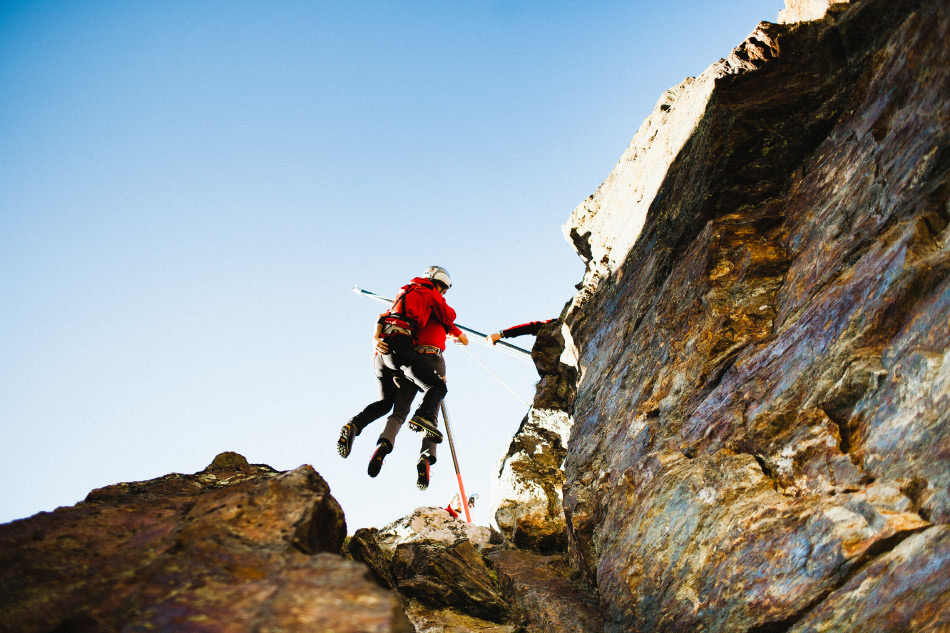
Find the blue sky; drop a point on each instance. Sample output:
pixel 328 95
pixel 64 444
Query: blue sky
pixel 189 190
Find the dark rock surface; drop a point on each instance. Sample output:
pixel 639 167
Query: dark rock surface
pixel 455 576
pixel 546 600
pixel 235 547
pixel 364 548
pixel 762 409
pixel 557 386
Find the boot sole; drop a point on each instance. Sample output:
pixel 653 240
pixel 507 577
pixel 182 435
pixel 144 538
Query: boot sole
pixel 434 435
pixel 376 463
pixel 422 482
pixel 344 445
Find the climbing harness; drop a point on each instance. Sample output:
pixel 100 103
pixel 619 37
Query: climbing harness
pixel 508 348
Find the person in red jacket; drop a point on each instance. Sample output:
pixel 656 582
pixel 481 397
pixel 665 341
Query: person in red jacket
pixel 430 345
pixel 396 358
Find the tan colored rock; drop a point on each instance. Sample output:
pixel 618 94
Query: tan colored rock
pixel 605 227
pixel 426 620
pixel 431 524
pixel 526 497
pixel 805 10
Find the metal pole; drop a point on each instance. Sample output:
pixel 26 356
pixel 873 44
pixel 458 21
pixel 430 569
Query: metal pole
pixel 458 473
pixel 512 350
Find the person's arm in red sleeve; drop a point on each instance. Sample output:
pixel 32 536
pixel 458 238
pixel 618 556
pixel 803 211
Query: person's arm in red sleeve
pixel 457 334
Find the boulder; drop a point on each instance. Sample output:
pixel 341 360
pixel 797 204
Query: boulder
pixel 236 547
pixel 431 524
pixel 448 576
pixel 543 595
pixel 363 547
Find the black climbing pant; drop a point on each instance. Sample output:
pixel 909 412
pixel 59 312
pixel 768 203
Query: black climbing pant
pixel 418 369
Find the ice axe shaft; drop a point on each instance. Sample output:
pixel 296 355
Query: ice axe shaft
pixel 448 432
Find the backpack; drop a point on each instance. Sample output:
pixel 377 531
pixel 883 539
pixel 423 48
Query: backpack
pixel 405 314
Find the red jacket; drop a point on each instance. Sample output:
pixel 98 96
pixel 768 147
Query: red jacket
pixel 419 302
pixel 433 333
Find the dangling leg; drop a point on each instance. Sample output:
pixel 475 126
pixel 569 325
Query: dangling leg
pixel 386 390
pixel 404 396
pixel 427 453
pixel 428 369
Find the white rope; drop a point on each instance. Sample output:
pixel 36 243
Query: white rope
pixel 495 375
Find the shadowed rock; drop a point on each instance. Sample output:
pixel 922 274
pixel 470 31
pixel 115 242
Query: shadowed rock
pixel 442 576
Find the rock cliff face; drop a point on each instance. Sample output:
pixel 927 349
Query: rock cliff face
pixel 761 435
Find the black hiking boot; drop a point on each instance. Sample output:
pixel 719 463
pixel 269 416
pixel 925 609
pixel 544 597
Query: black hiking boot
pixel 422 467
pixel 345 444
pixel 376 461
pixel 419 423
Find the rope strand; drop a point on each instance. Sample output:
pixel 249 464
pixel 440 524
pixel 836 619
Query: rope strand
pixel 485 367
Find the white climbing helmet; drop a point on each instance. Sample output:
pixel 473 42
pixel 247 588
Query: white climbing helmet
pixel 437 273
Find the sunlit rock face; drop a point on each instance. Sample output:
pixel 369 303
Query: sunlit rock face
pixel 527 502
pixel 760 434
pixel 526 498
pixel 804 10
pixel 235 547
pixel 431 524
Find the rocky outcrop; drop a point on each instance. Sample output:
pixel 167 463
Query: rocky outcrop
pixel 431 524
pixel 450 584
pixel 761 420
pixel 526 498
pixel 434 562
pixel 453 576
pixel 235 547
pixel 804 10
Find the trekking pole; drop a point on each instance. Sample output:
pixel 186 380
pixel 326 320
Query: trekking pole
pixel 458 473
